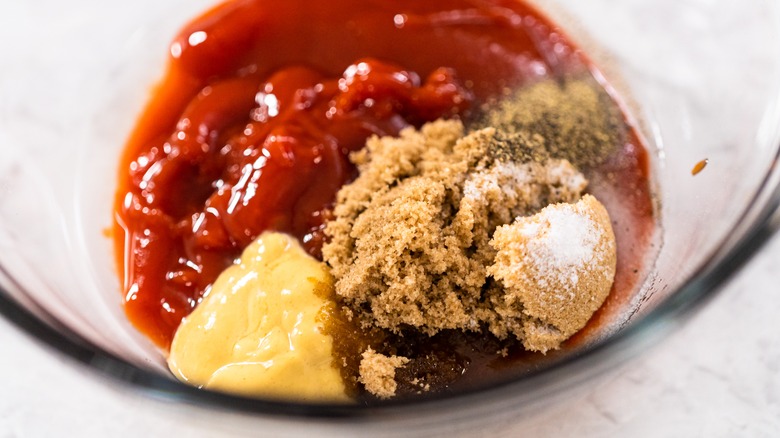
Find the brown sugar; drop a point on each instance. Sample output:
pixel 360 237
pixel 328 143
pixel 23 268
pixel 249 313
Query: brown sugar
pixel 377 373
pixel 410 243
pixel 556 268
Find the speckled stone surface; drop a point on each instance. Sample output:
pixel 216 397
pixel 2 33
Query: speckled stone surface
pixel 718 376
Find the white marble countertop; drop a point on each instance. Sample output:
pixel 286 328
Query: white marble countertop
pixel 718 376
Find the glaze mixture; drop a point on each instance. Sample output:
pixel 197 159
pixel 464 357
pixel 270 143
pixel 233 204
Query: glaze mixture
pixel 252 128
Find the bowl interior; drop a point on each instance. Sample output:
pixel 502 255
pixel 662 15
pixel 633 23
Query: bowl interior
pixel 699 83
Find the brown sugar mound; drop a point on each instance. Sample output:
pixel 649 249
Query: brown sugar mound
pixel 556 269
pixel 410 242
pixel 377 373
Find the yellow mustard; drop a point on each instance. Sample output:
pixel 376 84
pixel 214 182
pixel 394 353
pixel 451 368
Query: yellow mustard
pixel 259 330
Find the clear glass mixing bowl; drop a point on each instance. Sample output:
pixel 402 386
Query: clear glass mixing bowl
pixel 702 78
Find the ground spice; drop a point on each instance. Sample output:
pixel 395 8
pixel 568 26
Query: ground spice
pixel 575 118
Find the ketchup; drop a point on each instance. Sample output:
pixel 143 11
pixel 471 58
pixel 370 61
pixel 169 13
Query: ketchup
pixel 251 127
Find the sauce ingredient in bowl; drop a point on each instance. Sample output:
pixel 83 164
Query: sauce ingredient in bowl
pixel 557 268
pixel 426 239
pixel 253 127
pixel 411 239
pixel 259 330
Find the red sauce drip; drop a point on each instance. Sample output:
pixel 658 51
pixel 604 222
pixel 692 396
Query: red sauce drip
pixel 262 102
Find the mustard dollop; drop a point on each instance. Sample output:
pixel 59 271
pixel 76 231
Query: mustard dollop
pixel 258 332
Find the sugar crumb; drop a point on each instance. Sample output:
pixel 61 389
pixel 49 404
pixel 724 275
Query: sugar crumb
pixel 377 373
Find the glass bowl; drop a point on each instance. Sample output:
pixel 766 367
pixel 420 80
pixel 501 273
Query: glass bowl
pixel 698 82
